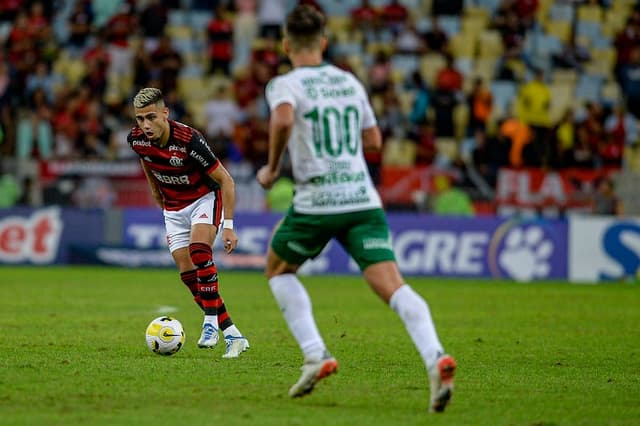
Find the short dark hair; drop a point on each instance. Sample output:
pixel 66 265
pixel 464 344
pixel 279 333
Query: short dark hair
pixel 148 96
pixel 305 26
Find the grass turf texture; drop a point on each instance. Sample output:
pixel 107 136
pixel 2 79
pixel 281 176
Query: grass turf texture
pixel 72 352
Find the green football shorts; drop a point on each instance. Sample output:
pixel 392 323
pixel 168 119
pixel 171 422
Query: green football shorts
pixel 364 235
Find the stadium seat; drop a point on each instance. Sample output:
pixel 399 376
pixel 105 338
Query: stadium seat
pixel 490 44
pixel 564 75
pixel 485 68
pixel 465 66
pixel 463 45
pixel 544 7
pixel 199 20
pixel 607 56
pixel 473 24
pixel 560 29
pixel 490 5
pixel 611 93
pixel 405 63
pixel 399 152
pixel 339 24
pixel 561 99
pixel 449 24
pixel 588 29
pixel 196 107
pixel 589 87
pixel 477 11
pixel 615 20
pixel 430 65
pixel 598 67
pixel 406 98
pixel 504 93
pixel 590 12
pixel 194 88
pixel 178 32
pixel 177 17
pixel 561 12
pixel 447 148
pixel 75 71
pixel 423 24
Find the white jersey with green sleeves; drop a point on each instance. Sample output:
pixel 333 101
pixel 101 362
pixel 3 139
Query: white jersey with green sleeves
pixel 331 110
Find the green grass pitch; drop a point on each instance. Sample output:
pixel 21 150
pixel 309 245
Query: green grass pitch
pixel 72 352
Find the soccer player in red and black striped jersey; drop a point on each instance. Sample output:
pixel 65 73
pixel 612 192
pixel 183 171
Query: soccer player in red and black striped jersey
pixel 196 194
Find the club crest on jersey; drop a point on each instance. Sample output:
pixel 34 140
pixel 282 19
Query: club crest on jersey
pixel 175 161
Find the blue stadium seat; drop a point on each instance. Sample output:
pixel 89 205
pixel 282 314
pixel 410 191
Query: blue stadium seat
pixel 589 87
pixel 449 24
pixel 561 12
pixel 504 93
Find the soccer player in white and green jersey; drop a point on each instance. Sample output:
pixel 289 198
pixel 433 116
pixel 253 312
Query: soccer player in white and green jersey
pixel 323 115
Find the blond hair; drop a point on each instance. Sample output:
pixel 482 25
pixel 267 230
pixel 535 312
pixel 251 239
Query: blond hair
pixel 148 96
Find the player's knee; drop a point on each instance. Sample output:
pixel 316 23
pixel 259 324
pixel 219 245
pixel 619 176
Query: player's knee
pixel 279 268
pixel 200 253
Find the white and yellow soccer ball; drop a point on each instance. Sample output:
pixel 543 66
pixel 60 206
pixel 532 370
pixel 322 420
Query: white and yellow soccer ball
pixel 165 335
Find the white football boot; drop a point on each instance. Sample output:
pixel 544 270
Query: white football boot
pixel 441 381
pixel 235 345
pixel 209 337
pixel 313 370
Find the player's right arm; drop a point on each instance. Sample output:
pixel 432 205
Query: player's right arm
pixel 153 185
pixel 280 126
pixel 281 123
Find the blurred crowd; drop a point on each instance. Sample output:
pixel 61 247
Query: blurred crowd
pixel 468 86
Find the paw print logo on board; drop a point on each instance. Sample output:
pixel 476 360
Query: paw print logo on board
pixel 526 253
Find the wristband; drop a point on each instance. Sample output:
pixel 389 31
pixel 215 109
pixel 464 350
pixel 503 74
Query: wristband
pixel 228 224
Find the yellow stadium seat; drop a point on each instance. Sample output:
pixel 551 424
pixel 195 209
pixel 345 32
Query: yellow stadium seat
pixel 590 12
pixel 399 152
pixel 197 110
pixel 429 67
pixel 542 12
pixel 477 11
pixel 406 99
pixel 447 147
pixel 615 19
pixel 75 72
pixel 562 95
pixel 178 31
pixel 192 88
pixel 611 92
pixel 473 24
pixel 490 44
pixel 338 24
pixel 567 76
pixel 597 67
pixel 485 68
pixel 463 45
pixel 560 29
pixel 607 56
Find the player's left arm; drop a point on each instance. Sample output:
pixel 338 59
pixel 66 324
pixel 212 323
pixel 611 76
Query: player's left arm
pixel 372 139
pixel 371 134
pixel 201 152
pixel 227 186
